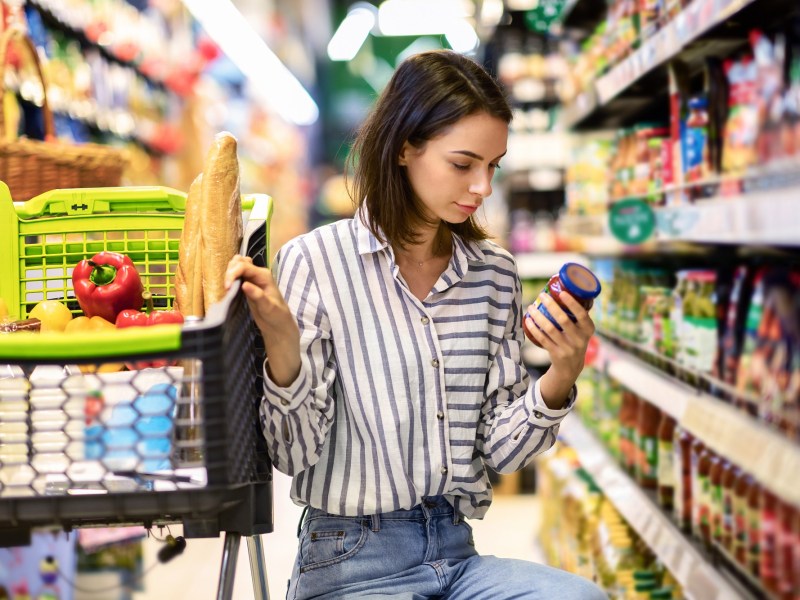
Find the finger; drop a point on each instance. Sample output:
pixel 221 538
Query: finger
pixel 575 307
pixel 252 291
pixel 544 328
pixel 537 335
pixel 243 269
pixel 556 311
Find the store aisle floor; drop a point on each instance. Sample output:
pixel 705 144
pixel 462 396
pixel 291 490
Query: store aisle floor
pixel 509 530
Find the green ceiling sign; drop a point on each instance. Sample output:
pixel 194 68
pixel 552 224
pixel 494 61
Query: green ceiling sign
pixel 632 221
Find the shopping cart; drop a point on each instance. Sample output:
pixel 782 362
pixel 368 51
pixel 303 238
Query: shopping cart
pixel 174 438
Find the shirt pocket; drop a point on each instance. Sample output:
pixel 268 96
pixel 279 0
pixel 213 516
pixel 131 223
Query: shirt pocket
pixel 330 541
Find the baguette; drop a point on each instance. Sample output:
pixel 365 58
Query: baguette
pixel 221 215
pixel 189 275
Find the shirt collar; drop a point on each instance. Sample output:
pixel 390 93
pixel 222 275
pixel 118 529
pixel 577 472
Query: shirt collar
pixel 368 243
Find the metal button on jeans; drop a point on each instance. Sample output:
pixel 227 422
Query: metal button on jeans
pixel 435 363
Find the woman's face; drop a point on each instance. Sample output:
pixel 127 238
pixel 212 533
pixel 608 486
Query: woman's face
pixel 452 173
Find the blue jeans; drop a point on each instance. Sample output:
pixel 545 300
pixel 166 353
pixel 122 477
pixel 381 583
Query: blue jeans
pixel 417 554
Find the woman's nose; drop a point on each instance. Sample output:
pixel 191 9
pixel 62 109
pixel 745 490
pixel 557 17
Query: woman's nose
pixel 482 186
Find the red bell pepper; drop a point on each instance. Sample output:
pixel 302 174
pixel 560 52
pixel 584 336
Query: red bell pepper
pixel 106 285
pixel 136 318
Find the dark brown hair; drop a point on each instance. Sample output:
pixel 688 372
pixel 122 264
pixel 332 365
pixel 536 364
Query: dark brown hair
pixel 428 92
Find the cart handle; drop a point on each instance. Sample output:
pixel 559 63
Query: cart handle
pixel 88 201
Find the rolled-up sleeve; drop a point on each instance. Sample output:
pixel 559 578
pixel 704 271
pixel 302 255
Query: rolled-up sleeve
pixel 295 419
pixel 516 424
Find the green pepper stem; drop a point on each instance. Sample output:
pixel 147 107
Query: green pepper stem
pixel 148 302
pixel 102 274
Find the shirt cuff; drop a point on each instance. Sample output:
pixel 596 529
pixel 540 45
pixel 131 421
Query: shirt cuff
pixel 540 414
pixel 286 398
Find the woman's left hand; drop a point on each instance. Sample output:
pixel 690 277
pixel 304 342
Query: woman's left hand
pixel 567 348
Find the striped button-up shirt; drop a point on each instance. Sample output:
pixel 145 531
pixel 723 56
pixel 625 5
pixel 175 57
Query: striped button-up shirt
pixel 399 398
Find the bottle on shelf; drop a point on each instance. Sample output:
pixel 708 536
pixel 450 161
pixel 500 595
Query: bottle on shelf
pixel 666 466
pixel 682 464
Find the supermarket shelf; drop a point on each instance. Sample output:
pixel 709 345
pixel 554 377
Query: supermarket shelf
pixel 767 217
pixel 760 216
pixel 700 578
pixel 769 456
pixel 52 20
pixel 654 53
pixel 541 265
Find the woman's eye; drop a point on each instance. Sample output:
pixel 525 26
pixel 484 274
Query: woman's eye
pixel 461 167
pixel 495 166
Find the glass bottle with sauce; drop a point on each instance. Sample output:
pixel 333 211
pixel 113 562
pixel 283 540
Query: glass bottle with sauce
pixel 741 490
pixel 648 421
pixel 754 527
pixel 666 466
pixel 682 497
pixel 715 501
pixel 631 457
pixel 574 279
pixel 769 530
pixel 784 551
pixel 730 474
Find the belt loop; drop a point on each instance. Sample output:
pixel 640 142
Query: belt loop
pixel 300 523
pixel 376 522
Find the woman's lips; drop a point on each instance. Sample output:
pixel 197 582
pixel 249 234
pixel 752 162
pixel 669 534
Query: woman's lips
pixel 467 208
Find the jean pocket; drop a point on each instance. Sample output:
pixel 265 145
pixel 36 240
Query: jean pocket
pixel 329 543
pixel 470 535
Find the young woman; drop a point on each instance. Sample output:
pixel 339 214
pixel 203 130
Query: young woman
pixel 393 374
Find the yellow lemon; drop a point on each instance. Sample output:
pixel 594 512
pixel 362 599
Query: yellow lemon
pixel 53 314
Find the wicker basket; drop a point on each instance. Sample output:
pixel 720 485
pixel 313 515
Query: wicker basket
pixel 31 167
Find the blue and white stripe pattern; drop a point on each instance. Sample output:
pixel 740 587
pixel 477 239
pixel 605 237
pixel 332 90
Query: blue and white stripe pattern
pixel 398 399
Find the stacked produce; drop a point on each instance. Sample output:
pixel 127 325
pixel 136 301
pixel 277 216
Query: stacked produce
pixel 109 288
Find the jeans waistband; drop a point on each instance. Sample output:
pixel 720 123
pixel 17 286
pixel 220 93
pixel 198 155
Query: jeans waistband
pixel 431 506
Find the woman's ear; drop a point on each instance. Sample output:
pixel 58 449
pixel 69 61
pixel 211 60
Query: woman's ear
pixel 405 151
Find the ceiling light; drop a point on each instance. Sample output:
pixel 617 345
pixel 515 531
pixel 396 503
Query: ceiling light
pixel 491 12
pixel 275 85
pixel 418 17
pixel 351 34
pixel 522 4
pixel 461 36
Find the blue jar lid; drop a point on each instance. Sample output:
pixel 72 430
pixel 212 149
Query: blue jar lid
pixel 579 281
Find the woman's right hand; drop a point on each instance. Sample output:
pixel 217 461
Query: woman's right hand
pixel 272 316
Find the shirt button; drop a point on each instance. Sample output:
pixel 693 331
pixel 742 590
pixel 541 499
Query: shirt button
pixel 435 363
pixel 537 414
pixel 440 415
pixel 284 401
pixel 444 470
pixel 425 320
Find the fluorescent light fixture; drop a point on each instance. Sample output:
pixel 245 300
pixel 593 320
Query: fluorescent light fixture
pixel 522 4
pixel 275 84
pixel 351 34
pixel 491 12
pixel 461 36
pixel 419 17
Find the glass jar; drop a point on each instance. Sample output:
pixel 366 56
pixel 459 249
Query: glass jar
pixel 575 279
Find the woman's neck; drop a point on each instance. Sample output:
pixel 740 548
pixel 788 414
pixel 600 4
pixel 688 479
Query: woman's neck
pixel 431 243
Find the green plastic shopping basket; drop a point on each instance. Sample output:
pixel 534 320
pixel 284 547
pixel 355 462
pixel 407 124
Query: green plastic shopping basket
pixel 219 357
